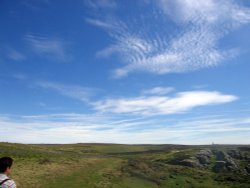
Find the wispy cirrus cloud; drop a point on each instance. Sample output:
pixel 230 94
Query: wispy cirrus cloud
pixel 100 23
pixel 12 53
pixel 206 11
pixel 48 47
pixel 101 4
pixel 72 91
pixel 151 102
pixel 163 105
pixel 87 128
pixel 158 91
pixel 145 45
pixel 20 76
pixel 15 55
pixel 35 5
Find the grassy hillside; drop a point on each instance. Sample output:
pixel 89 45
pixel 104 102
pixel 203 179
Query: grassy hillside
pixel 116 166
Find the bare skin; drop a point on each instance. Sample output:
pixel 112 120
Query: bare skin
pixel 7 171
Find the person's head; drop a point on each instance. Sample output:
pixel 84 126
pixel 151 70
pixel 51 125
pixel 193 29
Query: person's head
pixel 5 165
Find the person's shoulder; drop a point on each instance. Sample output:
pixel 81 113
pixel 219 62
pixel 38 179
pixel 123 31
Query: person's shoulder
pixel 9 184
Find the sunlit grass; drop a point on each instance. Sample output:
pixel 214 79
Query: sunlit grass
pixel 108 166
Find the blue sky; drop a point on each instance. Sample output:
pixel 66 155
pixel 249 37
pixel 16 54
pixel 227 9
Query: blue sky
pixel 134 72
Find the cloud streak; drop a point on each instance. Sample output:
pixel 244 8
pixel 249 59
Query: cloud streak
pixel 106 4
pixel 151 102
pixel 209 12
pixel 50 48
pixel 103 129
pixel 158 91
pixel 147 49
pixel 72 91
pixel 163 105
pixel 15 55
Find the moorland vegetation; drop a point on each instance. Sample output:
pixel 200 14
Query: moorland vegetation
pixel 129 166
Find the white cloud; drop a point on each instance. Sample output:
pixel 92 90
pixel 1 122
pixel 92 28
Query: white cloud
pixel 100 23
pixel 190 10
pixel 163 105
pixel 106 4
pixel 193 50
pixel 15 55
pixel 73 91
pixel 205 11
pixel 152 102
pixel 20 76
pixel 150 49
pixel 102 129
pixel 158 90
pixel 50 48
pixel 11 53
pixel 35 5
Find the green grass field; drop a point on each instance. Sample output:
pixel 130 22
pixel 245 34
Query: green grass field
pixel 112 166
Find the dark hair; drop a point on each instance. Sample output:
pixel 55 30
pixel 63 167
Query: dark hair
pixel 5 162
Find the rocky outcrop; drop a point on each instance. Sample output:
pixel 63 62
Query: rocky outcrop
pixel 225 163
pixel 247 157
pixel 220 155
pixel 248 168
pixel 236 154
pixel 204 157
pixel 191 162
pixel 220 160
pixel 220 166
pixel 199 160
